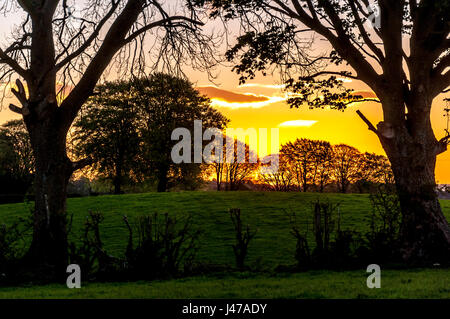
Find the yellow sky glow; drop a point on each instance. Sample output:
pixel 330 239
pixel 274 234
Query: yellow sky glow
pixel 297 123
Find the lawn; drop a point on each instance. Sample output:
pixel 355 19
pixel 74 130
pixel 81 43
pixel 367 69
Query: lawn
pixel 418 283
pixel 272 246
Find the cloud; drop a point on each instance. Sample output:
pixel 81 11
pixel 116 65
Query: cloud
pixel 298 123
pixel 255 105
pixel 366 94
pixel 229 99
pixel 267 86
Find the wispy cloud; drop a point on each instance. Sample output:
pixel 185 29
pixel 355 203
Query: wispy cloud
pixel 298 123
pixel 233 100
pixel 230 96
pixel 236 105
pixel 267 86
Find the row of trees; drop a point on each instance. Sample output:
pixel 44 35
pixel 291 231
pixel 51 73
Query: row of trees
pixel 311 165
pixel 126 128
pixel 128 147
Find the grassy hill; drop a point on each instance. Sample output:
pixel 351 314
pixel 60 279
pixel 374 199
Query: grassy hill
pixel 265 211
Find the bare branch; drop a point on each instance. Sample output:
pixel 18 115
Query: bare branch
pixel 369 124
pixel 6 59
pixel 89 41
pixel 162 22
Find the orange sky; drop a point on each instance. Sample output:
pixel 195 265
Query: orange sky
pixel 270 110
pixel 261 104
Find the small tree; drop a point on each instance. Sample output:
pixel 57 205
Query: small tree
pixel 166 102
pixel 323 162
pixel 345 166
pixel 107 132
pixel 310 160
pixel 374 170
pixel 280 177
pixel 239 168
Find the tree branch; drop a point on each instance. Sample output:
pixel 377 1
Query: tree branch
pixel 340 42
pixel 91 38
pixel 21 96
pixel 369 124
pixel 6 59
pixel 162 22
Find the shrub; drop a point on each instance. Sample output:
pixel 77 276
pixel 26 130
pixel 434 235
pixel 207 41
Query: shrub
pixel 243 238
pixel 166 246
pixel 334 248
pixel 13 246
pixel 91 255
pixel 302 252
pixel 383 237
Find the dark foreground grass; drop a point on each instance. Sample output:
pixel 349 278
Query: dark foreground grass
pixel 419 283
pixel 272 246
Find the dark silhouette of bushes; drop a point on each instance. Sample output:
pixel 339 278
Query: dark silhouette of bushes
pixel 166 247
pixel 90 255
pixel 13 245
pixel 243 238
pixel 335 248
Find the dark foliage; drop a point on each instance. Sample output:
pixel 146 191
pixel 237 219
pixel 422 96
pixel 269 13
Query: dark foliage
pixel 243 238
pixel 166 247
pixel 335 248
pixel 383 239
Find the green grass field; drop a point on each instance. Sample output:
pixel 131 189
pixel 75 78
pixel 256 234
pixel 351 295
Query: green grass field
pixel 272 246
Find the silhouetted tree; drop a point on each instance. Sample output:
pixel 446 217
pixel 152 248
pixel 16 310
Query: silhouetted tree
pixel 240 166
pixel 60 42
pixel 345 166
pixel 107 131
pixel 301 157
pixel 323 161
pixel 165 103
pixel 374 169
pixel 400 50
pixel 279 177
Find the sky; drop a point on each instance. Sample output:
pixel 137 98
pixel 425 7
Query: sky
pixel 261 103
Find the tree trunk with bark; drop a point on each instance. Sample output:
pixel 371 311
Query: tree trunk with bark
pixel 53 170
pixel 425 233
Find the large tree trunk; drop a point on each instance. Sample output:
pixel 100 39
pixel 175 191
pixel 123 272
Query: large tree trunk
pixel 425 232
pixel 53 170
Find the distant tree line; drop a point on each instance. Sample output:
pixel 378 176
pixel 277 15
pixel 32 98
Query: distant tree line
pixel 311 165
pixel 125 129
